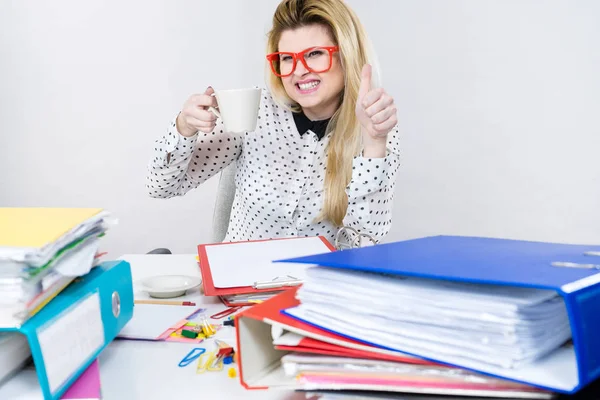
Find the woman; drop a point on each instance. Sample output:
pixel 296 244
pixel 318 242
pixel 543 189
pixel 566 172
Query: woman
pixel 325 152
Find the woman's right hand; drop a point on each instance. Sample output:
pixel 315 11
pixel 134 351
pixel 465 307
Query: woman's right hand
pixel 195 115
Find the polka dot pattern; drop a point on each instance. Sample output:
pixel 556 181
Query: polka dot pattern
pixel 279 177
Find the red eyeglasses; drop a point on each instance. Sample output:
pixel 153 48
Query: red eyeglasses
pixel 315 59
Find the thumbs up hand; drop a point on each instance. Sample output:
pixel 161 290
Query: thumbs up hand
pixel 375 111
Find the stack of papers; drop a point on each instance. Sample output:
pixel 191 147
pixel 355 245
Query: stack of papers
pixel 42 250
pixel 317 372
pixel 466 323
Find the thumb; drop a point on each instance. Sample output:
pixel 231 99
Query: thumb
pixel 209 91
pixel 365 81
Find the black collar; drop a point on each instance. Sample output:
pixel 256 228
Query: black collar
pixel 304 124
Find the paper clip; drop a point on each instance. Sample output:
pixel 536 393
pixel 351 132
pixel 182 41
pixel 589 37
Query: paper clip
pixel 226 312
pixel 191 356
pixel 202 362
pixel 216 364
pixel 212 362
pixel 278 283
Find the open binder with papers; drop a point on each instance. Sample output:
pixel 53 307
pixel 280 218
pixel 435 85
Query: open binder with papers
pixel 276 351
pixel 519 310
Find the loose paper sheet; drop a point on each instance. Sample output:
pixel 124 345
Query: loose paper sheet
pixel 243 264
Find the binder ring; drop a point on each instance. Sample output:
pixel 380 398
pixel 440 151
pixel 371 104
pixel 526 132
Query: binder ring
pixel 116 304
pixel 566 264
pixel 356 241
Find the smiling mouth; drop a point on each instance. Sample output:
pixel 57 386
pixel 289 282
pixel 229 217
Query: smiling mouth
pixel 307 87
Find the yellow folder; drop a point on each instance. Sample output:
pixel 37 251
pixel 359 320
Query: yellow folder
pixel 35 227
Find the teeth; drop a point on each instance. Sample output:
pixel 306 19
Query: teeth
pixel 309 85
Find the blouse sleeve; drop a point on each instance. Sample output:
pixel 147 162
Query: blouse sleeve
pixel 181 163
pixel 371 191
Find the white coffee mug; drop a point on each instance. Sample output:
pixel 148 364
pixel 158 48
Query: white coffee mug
pixel 238 108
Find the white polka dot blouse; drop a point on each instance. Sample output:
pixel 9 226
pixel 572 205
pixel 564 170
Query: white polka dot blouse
pixel 279 177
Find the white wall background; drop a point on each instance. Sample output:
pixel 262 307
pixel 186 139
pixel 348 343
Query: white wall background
pixel 498 100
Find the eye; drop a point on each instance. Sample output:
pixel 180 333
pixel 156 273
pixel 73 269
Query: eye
pixel 315 53
pixel 285 58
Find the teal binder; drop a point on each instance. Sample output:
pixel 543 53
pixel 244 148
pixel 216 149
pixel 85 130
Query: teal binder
pixel 67 335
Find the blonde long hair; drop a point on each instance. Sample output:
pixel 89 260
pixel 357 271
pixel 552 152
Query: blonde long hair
pixel 355 51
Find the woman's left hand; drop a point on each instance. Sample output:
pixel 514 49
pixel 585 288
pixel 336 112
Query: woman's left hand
pixel 375 110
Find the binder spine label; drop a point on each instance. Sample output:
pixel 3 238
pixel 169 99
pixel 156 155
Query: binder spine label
pixel 70 340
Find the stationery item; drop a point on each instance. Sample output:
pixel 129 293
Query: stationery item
pixel 258 326
pixel 69 333
pixel 224 275
pixel 226 312
pixel 324 372
pixel 262 329
pixel 41 252
pixel 151 321
pixel 34 235
pixel 231 372
pixel 169 286
pixel 238 108
pixel 189 333
pixel 202 363
pixel 426 313
pixel 25 385
pixel 165 302
pixel 524 303
pixel 176 334
pixel 191 356
pixel 212 362
pixel 349 238
pixel 291 341
pixel 247 299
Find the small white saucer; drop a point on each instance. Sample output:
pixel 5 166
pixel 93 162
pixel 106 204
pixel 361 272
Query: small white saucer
pixel 167 286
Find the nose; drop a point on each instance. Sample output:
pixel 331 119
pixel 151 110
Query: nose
pixel 300 69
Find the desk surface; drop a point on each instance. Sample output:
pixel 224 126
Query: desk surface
pixel 132 370
pixel 149 370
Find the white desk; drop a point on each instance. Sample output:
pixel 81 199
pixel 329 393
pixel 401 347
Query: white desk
pixel 149 370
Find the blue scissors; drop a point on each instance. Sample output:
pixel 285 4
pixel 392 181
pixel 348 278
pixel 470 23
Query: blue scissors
pixel 191 356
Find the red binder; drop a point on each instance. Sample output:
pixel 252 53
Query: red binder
pixel 207 280
pixel 256 352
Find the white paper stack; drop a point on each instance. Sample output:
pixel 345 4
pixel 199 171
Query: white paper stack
pixel 489 325
pixel 42 250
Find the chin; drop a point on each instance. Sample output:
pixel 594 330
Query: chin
pixel 308 102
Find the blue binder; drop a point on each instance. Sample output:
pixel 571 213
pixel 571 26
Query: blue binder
pixel 570 270
pixel 72 330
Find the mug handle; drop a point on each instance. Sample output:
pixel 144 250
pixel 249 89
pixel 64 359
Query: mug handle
pixel 214 110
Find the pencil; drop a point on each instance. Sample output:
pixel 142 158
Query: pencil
pixel 165 302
